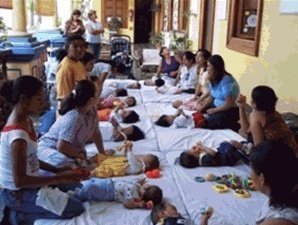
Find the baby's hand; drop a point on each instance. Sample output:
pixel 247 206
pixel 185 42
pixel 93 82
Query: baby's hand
pixel 241 101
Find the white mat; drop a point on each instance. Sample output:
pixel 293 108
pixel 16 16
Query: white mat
pixel 228 209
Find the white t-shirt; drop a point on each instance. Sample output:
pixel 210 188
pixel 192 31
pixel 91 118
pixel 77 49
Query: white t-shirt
pixel 100 68
pixel 183 122
pixel 91 38
pixel 204 82
pixel 108 91
pixel 117 116
pixel 166 89
pixel 8 136
pixel 269 212
pixel 188 77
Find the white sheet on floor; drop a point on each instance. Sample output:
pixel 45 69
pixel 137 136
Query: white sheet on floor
pixel 111 213
pixel 228 209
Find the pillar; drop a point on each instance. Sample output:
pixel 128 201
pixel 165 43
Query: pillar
pixel 19 14
pixel 55 16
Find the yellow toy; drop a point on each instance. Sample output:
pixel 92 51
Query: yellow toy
pixel 241 193
pixel 221 188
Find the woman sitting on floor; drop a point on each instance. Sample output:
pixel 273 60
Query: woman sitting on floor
pixel 220 106
pixel 187 78
pixel 202 89
pixel 168 65
pixel 264 122
pixel 66 140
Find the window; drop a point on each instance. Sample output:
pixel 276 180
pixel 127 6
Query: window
pixel 112 8
pixel 244 26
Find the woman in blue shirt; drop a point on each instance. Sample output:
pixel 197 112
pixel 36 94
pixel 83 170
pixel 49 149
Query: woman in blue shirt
pixel 220 106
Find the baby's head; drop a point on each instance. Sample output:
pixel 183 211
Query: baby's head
pixel 162 211
pixel 151 162
pixel 149 82
pixel 195 157
pixel 129 116
pixel 176 104
pixel 165 120
pixel 130 101
pixel 120 92
pixel 159 82
pixel 151 193
pixel 134 85
pixel 134 133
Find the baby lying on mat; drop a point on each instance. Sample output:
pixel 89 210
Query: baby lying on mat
pixel 133 194
pixel 127 163
pixel 200 155
pixel 181 120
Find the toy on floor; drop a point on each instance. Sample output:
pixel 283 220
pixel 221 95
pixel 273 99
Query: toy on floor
pixel 220 188
pixel 241 193
pixel 153 173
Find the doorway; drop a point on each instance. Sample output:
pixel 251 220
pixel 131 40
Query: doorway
pixel 207 24
pixel 143 21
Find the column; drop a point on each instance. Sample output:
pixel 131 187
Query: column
pixel 19 14
pixel 55 16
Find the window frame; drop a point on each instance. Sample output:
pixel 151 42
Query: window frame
pixel 241 44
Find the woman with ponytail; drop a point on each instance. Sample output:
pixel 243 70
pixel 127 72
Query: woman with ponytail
pixel 65 142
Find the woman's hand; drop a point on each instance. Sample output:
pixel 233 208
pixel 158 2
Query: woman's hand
pixel 241 101
pixel 211 111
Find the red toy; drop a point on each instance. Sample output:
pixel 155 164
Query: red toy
pixel 153 173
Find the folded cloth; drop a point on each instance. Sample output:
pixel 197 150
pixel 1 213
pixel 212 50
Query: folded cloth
pixel 52 199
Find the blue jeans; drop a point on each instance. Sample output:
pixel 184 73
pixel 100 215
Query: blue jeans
pixel 95 49
pixel 23 209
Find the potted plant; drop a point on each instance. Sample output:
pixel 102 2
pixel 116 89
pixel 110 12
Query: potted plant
pixel 156 39
pixel 3 30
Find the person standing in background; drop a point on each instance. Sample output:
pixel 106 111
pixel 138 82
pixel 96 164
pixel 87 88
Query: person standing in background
pixel 93 33
pixel 74 26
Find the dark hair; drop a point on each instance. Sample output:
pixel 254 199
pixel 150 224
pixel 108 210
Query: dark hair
pixel 161 50
pixel 153 193
pixel 279 165
pixel 159 82
pixel 134 100
pixel 162 121
pixel 187 160
pixel 94 78
pixel 138 85
pixel 136 134
pixel 190 56
pixel 121 92
pixel 157 209
pixel 87 58
pixel 154 163
pixel 264 98
pixel 120 67
pixel 132 117
pixel 83 91
pixel 91 12
pixel 71 39
pixel 219 66
pixel 206 54
pixel 76 12
pixel 27 86
pixel 60 55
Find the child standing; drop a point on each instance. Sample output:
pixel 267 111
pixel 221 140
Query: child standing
pixel 20 177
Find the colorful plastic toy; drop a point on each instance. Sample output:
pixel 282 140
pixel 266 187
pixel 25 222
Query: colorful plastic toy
pixel 241 193
pixel 153 173
pixel 221 188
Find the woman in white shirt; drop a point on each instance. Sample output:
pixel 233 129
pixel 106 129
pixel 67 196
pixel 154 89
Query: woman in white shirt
pixel 94 29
